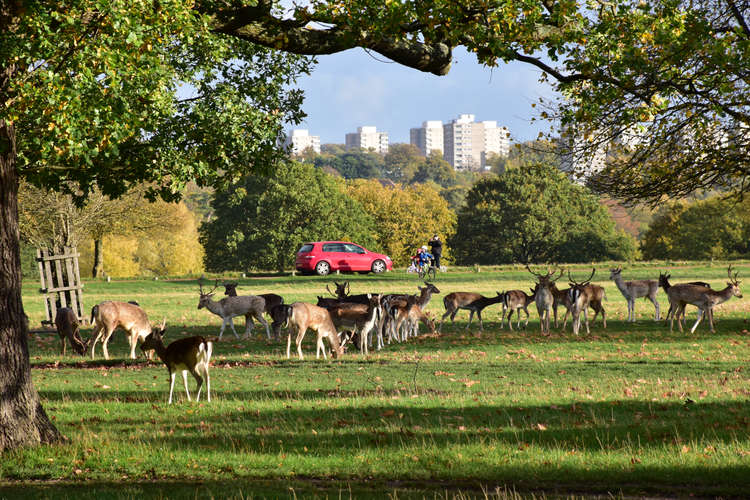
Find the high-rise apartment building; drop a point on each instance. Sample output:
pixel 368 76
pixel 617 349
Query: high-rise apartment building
pixel 496 140
pixel 467 144
pixel 428 137
pixel 368 138
pixel 299 140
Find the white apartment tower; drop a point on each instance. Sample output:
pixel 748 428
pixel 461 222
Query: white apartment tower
pixel 496 141
pixel 368 138
pixel 299 140
pixel 467 143
pixel 428 137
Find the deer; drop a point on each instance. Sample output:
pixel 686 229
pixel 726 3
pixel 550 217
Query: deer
pixel 394 302
pixel 360 318
pixel 635 289
pixel 109 315
pixel 66 323
pixel 473 302
pixel 272 299
pixel 191 354
pixel 303 316
pixel 664 283
pixel 544 299
pixel 227 308
pixel 702 297
pixel 560 297
pixel 582 296
pixel 515 300
pixel 407 318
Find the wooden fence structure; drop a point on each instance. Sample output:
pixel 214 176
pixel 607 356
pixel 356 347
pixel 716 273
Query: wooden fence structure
pixel 60 283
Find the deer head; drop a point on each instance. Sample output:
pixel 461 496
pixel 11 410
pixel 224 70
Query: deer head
pixel 734 282
pixel 545 280
pixel 230 288
pixel 614 273
pixel 205 297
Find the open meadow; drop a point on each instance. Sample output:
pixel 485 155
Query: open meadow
pixel 631 409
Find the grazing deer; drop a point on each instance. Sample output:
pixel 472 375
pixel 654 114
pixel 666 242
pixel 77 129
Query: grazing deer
pixel 702 297
pixel 360 318
pixel 303 316
pixel 635 289
pixel 473 302
pixel 560 297
pixel 516 300
pixel 192 354
pixel 582 296
pixel 272 299
pixel 544 298
pixel 109 315
pixel 227 308
pixel 67 327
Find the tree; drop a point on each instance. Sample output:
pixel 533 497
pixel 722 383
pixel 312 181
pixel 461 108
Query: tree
pixel 405 217
pixel 89 93
pixel 356 164
pixel 708 229
pixel 402 161
pixel 435 169
pixel 261 222
pixel 535 215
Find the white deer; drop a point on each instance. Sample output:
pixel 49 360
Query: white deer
pixel 635 289
pixel 227 308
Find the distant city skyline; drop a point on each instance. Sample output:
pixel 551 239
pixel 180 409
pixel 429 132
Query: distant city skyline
pixel 353 88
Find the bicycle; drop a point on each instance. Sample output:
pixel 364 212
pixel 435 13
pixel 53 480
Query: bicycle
pixel 426 270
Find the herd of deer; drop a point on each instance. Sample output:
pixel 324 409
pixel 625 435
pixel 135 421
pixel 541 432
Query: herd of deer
pixel 376 317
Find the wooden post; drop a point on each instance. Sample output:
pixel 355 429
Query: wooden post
pixel 62 287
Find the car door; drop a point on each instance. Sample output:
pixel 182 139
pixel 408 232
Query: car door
pixel 335 255
pixel 356 257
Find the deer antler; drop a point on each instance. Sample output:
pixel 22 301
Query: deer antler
pixel 532 272
pixel 732 278
pixel 348 288
pixel 558 276
pixel 329 291
pixel 584 282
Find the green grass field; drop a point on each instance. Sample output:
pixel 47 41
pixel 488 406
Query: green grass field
pixel 632 410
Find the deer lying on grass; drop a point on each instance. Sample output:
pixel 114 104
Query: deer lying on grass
pixel 109 315
pixel 272 299
pixel 66 323
pixel 473 302
pixel 544 299
pixel 635 289
pixel 359 318
pixel 582 296
pixel 303 316
pixel 702 297
pixel 192 354
pixel 227 308
pixel 515 301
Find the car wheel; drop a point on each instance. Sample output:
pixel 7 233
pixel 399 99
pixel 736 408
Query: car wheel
pixel 378 266
pixel 322 268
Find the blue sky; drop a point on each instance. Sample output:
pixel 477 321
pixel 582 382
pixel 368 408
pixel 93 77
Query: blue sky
pixel 354 88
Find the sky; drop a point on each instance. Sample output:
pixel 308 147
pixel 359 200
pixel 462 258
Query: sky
pixel 356 88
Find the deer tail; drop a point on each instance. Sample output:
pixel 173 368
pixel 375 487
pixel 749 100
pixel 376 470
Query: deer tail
pixel 94 312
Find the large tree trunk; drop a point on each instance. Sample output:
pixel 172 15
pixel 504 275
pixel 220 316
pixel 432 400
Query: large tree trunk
pixel 23 421
pixel 98 261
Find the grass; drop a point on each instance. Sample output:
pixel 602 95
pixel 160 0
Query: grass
pixel 633 409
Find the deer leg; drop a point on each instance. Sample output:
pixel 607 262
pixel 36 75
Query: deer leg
pixel 657 313
pixel 62 344
pixel 471 316
pixel 95 336
pixel 479 315
pixel 527 317
pixel 586 318
pixel 554 312
pixel 171 385
pixel 320 346
pixel 133 339
pixel 300 336
pixel 288 342
pixel 565 318
pixel 198 379
pixel 184 380
pixel 262 321
pixel 105 342
pixel 697 322
pixel 510 323
pixel 208 381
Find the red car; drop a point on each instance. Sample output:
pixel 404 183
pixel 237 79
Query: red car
pixel 323 257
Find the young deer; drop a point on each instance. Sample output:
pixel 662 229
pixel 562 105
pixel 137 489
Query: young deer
pixel 303 316
pixel 472 302
pixel 635 289
pixel 192 354
pixel 109 315
pixel 516 300
pixel 272 299
pixel 544 299
pixel 227 308
pixel 360 318
pixel 66 323
pixel 406 318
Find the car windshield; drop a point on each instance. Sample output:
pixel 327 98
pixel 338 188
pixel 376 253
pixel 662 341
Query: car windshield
pixel 305 248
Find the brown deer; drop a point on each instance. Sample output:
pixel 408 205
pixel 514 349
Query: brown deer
pixel 635 289
pixel 272 299
pixel 664 283
pixel 361 319
pixel 67 327
pixel 560 297
pixel 303 316
pixel 516 300
pixel 227 308
pixel 472 302
pixel 192 354
pixel 109 315
pixel 582 296
pixel 544 299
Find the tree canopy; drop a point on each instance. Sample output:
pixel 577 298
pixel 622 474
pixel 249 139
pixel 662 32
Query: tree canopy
pixel 535 215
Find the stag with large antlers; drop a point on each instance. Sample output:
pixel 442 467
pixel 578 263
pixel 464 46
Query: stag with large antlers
pixel 544 298
pixel 227 308
pixel 580 295
pixel 664 283
pixel 635 289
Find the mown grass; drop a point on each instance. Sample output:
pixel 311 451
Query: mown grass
pixel 633 408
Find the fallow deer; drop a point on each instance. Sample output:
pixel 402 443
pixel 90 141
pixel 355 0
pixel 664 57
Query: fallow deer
pixel 544 298
pixel 635 289
pixel 303 316
pixel 109 315
pixel 227 308
pixel 515 301
pixel 560 297
pixel 67 327
pixel 582 296
pixel 192 354
pixel 472 302
pixel 272 299
pixel 359 318
pixel 664 283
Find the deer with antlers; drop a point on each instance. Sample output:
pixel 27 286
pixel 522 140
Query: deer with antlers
pixel 635 289
pixel 664 283
pixel 544 298
pixel 583 295
pixel 68 328
pixel 361 319
pixel 227 308
pixel 703 298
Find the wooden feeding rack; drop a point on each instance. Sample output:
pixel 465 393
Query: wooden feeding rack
pixel 61 283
